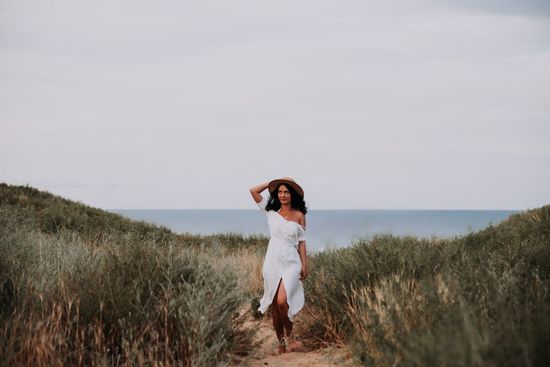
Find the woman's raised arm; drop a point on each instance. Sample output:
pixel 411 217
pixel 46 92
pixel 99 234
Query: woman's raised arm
pixel 256 191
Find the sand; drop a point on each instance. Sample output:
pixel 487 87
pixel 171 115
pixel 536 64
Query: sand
pixel 266 354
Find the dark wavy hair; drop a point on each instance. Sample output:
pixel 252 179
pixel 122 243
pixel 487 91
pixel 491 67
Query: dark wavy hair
pixel 296 201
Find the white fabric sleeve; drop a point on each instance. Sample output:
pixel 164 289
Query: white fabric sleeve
pixel 302 235
pixel 263 203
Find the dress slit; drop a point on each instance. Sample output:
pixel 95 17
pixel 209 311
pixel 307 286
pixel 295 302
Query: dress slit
pixel 281 280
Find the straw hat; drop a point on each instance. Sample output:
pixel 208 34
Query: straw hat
pixel 287 181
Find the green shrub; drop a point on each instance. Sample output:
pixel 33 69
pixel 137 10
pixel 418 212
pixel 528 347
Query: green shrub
pixel 95 296
pixel 479 299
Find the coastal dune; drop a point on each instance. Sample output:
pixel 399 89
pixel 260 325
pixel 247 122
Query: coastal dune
pixel 82 286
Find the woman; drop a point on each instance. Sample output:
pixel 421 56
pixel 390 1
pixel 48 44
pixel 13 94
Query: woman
pixel 285 263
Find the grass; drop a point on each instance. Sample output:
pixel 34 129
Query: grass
pixel 81 286
pixel 479 299
pixel 99 289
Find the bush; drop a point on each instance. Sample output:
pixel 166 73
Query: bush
pixel 122 298
pixel 479 299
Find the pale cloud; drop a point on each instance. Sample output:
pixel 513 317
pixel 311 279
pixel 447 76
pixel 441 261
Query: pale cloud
pixel 527 7
pixel 187 104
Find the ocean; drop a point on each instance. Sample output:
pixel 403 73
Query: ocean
pixel 326 228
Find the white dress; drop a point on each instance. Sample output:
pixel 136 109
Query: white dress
pixel 282 261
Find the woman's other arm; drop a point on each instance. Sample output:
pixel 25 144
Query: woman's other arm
pixel 302 252
pixel 303 259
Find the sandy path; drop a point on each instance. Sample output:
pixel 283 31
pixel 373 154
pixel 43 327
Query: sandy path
pixel 305 356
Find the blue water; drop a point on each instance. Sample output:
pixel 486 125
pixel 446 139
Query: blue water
pixel 326 228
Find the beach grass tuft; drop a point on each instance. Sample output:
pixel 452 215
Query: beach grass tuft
pixel 82 286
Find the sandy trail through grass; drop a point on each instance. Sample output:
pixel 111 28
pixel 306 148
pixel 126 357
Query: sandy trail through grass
pixel 308 355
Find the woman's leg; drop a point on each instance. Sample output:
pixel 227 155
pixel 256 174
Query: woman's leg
pixel 282 304
pixel 283 308
pixel 277 322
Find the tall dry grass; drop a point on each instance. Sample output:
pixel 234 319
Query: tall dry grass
pixel 475 300
pixel 122 295
pixel 79 286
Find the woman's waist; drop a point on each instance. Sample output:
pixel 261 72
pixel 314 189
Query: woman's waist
pixel 284 241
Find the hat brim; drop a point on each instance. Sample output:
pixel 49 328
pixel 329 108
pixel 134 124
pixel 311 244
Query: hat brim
pixel 274 183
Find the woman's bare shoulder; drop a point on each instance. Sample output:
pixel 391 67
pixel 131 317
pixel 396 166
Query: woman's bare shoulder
pixel 301 218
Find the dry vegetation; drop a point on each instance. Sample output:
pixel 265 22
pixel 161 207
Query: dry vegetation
pixel 80 286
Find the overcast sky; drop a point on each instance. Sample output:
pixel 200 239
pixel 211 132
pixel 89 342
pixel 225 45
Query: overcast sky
pixel 367 104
